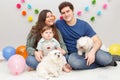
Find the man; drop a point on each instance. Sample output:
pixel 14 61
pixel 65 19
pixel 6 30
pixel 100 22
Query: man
pixel 72 29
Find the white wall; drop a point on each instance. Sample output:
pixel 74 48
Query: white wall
pixel 14 27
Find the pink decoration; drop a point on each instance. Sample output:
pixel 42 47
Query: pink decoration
pixel 79 13
pixel 61 17
pixel 18 6
pixel 22 1
pixel 16 64
pixel 105 6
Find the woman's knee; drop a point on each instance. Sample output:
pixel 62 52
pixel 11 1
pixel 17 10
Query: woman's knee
pixel 31 62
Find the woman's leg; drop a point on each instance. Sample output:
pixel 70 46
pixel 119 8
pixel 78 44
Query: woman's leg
pixel 78 62
pixel 31 62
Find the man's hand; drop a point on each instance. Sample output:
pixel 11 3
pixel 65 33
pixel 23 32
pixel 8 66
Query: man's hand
pixel 90 57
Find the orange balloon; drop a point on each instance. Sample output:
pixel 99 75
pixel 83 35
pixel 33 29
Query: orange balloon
pixel 21 50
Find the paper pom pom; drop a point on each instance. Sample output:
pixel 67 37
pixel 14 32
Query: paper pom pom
pixel 30 18
pixel 87 8
pixel 105 6
pixel 92 18
pixel 93 2
pixel 54 17
pixel 24 13
pixel 99 13
pixel 29 6
pixel 22 1
pixel 61 17
pixel 18 6
pixel 36 11
pixel 79 13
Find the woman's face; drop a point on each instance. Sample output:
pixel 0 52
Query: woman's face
pixel 50 18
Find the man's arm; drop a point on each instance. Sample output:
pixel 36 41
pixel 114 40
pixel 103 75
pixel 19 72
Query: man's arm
pixel 90 57
pixel 97 43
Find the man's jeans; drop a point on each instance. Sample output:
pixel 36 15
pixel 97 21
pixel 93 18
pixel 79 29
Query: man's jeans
pixel 78 62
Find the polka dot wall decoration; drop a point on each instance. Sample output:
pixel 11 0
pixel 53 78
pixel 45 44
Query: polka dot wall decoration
pixel 24 13
pixel 22 1
pixel 26 8
pixel 91 9
pixel 29 11
pixel 79 13
pixel 18 5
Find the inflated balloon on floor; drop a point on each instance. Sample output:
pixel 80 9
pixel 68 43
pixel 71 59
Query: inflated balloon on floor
pixel 21 50
pixel 16 64
pixel 8 51
pixel 114 49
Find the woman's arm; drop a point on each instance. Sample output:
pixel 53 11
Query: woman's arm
pixel 30 44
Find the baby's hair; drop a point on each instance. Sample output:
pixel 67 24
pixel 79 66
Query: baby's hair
pixel 47 28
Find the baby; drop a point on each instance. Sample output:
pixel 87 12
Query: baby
pixel 48 43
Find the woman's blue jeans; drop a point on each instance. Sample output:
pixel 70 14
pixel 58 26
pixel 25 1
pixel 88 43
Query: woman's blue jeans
pixel 32 62
pixel 78 62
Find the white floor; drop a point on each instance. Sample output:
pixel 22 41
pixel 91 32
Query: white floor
pixel 106 73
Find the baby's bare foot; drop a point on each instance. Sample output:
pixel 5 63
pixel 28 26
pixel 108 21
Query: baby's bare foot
pixel 30 69
pixel 67 68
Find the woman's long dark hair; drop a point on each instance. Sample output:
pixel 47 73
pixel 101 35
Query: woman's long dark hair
pixel 35 31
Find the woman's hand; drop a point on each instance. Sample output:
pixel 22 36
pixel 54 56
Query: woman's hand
pixel 38 55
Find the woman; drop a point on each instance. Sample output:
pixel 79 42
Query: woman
pixel 46 18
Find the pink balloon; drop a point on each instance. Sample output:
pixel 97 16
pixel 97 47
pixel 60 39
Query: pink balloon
pixel 16 64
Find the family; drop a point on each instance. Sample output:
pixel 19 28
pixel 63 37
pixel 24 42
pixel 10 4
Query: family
pixel 63 35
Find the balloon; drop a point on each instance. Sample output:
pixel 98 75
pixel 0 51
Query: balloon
pixel 21 50
pixel 114 49
pixel 8 52
pixel 16 64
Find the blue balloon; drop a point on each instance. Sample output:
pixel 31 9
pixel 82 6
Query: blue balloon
pixel 8 52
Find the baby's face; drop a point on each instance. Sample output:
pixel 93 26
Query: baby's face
pixel 48 34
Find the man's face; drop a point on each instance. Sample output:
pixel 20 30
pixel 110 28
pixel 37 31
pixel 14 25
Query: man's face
pixel 67 14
